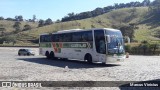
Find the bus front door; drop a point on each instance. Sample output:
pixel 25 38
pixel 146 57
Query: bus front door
pixel 100 45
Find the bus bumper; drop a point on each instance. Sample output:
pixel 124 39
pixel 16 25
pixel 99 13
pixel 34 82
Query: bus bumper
pixel 114 58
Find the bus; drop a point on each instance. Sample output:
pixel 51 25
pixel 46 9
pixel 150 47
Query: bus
pixel 103 45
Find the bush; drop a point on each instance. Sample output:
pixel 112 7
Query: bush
pixel 1 40
pixel 154 47
pixel 27 27
pixel 7 39
pixel 144 48
pixel 135 50
pixel 144 42
pixel 128 48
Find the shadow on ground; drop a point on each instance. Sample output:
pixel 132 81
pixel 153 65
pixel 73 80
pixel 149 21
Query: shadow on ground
pixel 154 87
pixel 72 64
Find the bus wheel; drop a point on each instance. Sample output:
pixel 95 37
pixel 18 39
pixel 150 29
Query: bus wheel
pixel 52 55
pixel 47 55
pixel 103 63
pixel 65 58
pixel 88 57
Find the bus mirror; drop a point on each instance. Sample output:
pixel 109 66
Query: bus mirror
pixel 108 39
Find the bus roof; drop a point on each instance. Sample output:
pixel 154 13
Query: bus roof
pixel 68 30
pixel 77 30
pixel 45 33
pixel 111 29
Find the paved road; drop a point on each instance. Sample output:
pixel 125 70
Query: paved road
pixel 37 68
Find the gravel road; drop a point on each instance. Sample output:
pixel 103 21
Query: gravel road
pixel 37 68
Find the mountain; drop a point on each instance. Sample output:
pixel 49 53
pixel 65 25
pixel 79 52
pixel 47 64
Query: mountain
pixel 147 25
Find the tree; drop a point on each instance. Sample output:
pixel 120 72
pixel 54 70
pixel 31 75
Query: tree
pixel 2 31
pixel 58 21
pixel 16 24
pixel 128 30
pixel 144 45
pixel 155 8
pixel 153 47
pixel 41 23
pixel 71 14
pixel 10 19
pixel 116 5
pixel 16 18
pixel 146 3
pixel 65 18
pixel 97 11
pixel 137 4
pixel 34 18
pixel 19 18
pixel 30 20
pixel 48 21
pixel 157 34
pixel 107 9
pixel 17 27
pixel 1 18
pixel 8 39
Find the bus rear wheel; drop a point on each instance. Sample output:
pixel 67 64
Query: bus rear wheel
pixel 88 57
pixel 47 55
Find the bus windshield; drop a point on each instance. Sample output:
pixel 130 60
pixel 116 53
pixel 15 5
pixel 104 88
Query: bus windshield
pixel 116 44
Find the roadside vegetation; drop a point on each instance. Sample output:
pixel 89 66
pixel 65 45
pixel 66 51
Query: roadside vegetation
pixel 143 48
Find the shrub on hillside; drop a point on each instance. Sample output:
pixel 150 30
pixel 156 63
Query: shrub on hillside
pixel 7 39
pixel 153 47
pixel 27 27
pixel 144 48
pixel 128 48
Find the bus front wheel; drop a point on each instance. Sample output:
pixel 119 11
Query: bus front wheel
pixel 52 56
pixel 88 57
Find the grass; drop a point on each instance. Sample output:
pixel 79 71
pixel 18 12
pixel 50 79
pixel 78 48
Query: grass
pixel 146 33
pixel 142 33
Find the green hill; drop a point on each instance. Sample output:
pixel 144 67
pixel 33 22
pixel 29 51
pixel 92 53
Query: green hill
pixel 8 25
pixel 119 17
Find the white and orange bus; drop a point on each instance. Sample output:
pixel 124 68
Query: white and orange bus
pixel 93 45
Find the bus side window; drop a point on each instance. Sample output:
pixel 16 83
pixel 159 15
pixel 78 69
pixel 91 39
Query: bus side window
pixel 67 37
pixel 76 37
pixel 83 37
pixel 47 38
pixel 60 37
pixel 73 37
pixel 56 39
pixel 89 36
pixel 64 37
pixel 44 38
pixel 86 36
pixel 53 38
